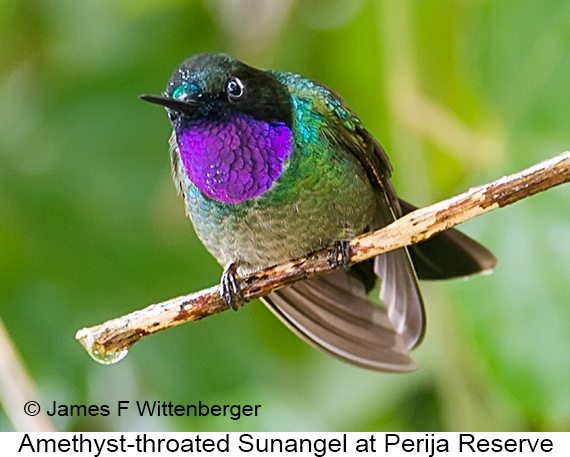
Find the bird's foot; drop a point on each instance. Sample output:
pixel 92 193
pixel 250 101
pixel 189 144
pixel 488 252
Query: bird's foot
pixel 340 254
pixel 230 289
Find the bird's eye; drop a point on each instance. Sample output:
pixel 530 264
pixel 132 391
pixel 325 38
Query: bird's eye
pixel 235 89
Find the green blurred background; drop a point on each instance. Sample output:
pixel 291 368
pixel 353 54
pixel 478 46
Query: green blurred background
pixel 458 92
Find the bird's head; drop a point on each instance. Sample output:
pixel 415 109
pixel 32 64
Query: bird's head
pixel 212 84
pixel 233 125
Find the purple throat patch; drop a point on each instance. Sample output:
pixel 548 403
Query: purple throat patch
pixel 234 158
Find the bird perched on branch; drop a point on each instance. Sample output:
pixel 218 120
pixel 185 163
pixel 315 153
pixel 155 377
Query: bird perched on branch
pixel 274 166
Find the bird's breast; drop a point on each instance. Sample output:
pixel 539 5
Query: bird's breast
pixel 323 195
pixel 233 157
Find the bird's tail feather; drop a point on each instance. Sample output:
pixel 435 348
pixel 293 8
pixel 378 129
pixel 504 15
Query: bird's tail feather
pixel 449 254
pixel 333 314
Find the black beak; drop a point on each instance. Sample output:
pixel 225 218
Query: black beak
pixel 183 106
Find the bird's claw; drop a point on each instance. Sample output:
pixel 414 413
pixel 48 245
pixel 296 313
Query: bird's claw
pixel 230 289
pixel 341 248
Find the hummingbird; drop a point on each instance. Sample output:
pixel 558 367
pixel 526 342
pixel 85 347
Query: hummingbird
pixel 274 166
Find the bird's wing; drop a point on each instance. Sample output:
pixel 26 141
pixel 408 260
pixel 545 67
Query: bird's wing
pixel 333 314
pixel 400 290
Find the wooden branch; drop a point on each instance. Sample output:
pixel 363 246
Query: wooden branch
pixel 110 341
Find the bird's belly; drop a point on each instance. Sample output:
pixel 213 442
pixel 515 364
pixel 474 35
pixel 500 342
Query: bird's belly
pixel 265 231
